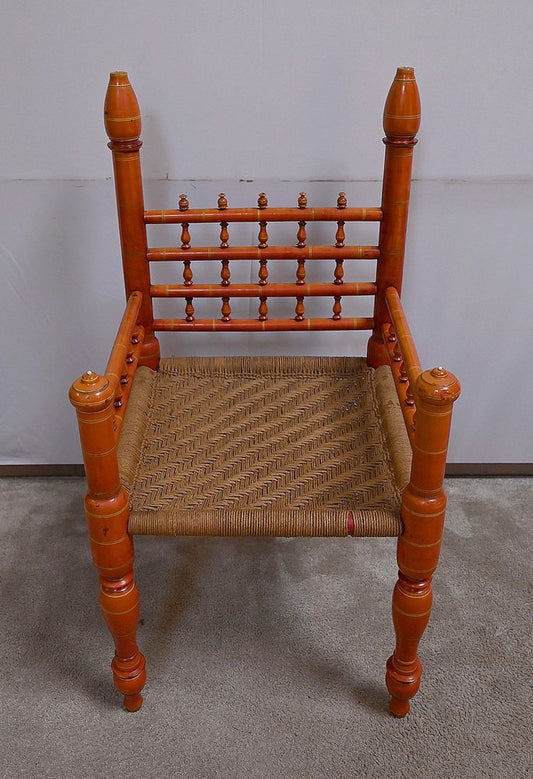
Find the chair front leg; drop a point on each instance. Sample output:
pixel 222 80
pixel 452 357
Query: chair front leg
pixel 107 512
pixel 423 510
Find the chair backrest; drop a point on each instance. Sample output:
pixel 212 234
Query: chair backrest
pixel 401 120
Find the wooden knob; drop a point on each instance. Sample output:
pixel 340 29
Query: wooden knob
pixel 91 390
pixel 438 387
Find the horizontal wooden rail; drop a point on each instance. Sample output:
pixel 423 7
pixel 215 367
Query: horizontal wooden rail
pixel 123 345
pixel 403 334
pixel 260 290
pixel 269 253
pixel 239 325
pixel 325 214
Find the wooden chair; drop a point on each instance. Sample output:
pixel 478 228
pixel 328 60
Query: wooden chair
pixel 268 446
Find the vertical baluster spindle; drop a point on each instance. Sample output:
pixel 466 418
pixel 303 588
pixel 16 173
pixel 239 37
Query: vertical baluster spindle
pixel 299 311
pixel 339 239
pixel 224 239
pixel 263 309
pixel 301 237
pixel 262 202
pixel 226 310
pixel 189 310
pixel 183 205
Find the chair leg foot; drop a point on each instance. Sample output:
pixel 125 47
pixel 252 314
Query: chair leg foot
pixel 402 686
pixel 129 677
pixel 411 606
pixel 133 702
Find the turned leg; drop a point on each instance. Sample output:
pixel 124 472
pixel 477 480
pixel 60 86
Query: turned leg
pixel 112 551
pixel 120 606
pixel 107 511
pixel 423 510
pixel 411 606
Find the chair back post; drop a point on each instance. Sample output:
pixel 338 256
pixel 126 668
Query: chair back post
pixel 401 120
pixel 423 510
pixel 107 511
pixel 122 120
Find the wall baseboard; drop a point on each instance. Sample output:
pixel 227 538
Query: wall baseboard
pixel 463 470
pixel 42 470
pixel 453 470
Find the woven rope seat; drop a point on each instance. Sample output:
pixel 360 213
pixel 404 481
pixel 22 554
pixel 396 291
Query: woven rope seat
pixel 271 446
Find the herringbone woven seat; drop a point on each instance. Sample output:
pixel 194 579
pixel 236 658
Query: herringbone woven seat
pixel 264 446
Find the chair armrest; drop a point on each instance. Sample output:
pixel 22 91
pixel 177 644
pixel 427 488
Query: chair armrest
pixel 403 357
pixel 428 394
pixel 124 357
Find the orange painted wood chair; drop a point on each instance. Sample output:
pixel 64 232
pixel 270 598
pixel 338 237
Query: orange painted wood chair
pixel 265 446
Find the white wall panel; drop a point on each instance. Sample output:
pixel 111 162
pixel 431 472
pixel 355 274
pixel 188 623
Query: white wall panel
pixel 289 96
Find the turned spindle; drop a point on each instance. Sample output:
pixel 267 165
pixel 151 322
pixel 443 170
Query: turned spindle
pixel 263 310
pixel 189 310
pixel 262 202
pixel 226 310
pixel 300 271
pixel 301 236
pixel 187 273
pixel 401 120
pixel 122 119
pixel 222 204
pixel 299 310
pixel 183 205
pixel 337 308
pixel 225 273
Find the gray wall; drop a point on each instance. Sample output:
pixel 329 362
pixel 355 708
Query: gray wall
pixel 288 95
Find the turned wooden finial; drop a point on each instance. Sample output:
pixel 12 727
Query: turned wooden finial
pixel 122 116
pixel 341 200
pixel 91 391
pixel 262 200
pixel 222 202
pixel 302 200
pixel 401 115
pixel 438 387
pixel 183 203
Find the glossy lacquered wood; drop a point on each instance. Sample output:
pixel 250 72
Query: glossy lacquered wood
pixel 423 510
pixel 122 120
pixel 401 120
pixel 426 397
pixel 107 512
pixel 322 214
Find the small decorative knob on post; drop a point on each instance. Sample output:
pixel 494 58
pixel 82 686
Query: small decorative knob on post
pixel 302 200
pixel 341 200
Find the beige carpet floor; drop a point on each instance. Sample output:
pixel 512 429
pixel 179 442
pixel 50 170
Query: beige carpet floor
pixel 266 657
